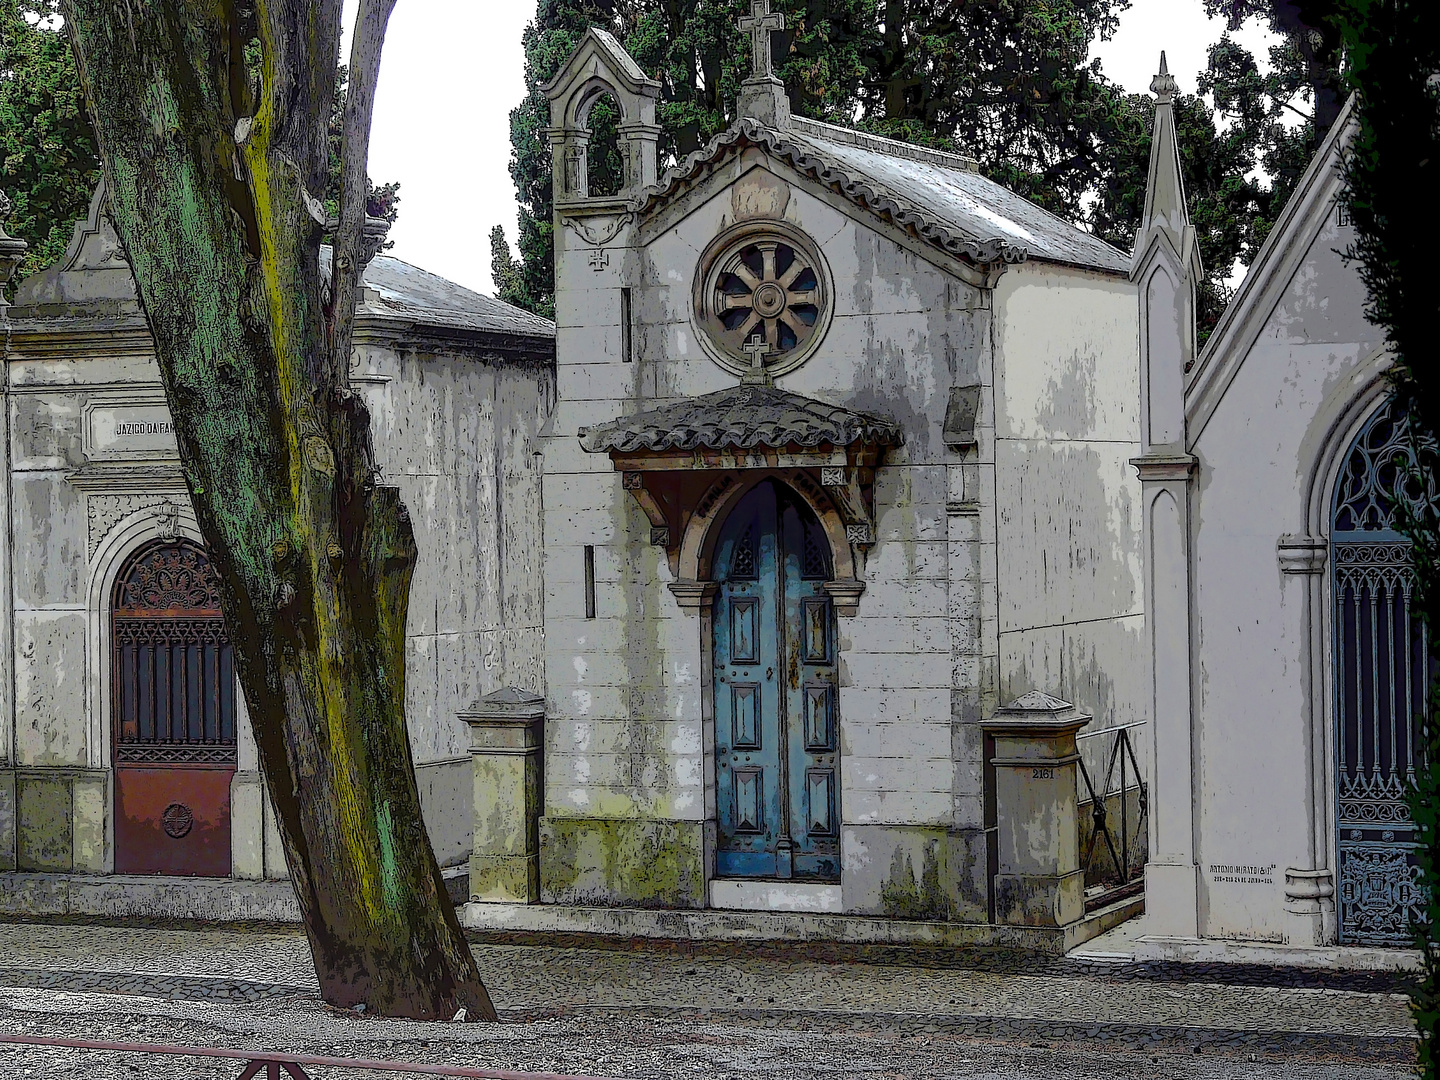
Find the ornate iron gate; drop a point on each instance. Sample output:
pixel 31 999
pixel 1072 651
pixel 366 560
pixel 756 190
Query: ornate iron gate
pixel 1381 675
pixel 173 715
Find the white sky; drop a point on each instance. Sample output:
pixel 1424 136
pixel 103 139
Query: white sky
pixel 453 70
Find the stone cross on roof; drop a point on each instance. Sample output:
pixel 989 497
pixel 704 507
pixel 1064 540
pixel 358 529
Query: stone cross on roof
pixel 762 95
pixel 759 24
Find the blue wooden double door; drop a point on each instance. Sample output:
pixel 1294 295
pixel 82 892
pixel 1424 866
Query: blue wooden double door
pixel 776 716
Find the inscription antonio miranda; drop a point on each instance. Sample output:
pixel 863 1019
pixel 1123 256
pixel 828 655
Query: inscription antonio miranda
pixel 1243 875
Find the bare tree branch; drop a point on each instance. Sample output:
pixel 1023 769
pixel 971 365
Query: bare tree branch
pixel 348 256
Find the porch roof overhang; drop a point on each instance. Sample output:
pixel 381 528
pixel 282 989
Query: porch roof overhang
pixel 742 419
pixel 683 461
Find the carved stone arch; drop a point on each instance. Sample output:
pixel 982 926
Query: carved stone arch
pixel 1304 566
pixel 1332 431
pixel 702 533
pixel 601 66
pixel 584 99
pixel 154 524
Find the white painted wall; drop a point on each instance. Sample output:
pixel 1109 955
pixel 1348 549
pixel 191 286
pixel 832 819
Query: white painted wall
pixel 1269 415
pixel 1068 509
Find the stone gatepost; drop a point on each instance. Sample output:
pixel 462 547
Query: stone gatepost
pixel 1033 760
pixel 506 738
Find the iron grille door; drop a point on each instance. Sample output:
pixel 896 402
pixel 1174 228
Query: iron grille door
pixel 173 715
pixel 1382 671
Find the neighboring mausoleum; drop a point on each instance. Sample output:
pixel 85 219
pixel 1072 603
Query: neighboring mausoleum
pixel 125 747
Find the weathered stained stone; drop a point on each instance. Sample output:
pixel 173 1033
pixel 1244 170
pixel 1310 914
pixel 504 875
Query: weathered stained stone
pixel 623 863
pixel 45 838
pixel 1039 880
pixel 505 752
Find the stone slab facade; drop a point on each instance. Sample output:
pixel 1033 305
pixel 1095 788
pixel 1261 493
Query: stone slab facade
pixel 458 386
pixel 996 550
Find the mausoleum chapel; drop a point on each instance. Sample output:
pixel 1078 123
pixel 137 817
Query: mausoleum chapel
pixel 862 545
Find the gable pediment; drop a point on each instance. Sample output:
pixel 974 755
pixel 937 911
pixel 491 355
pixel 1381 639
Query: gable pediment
pixel 941 206
pixel 1270 276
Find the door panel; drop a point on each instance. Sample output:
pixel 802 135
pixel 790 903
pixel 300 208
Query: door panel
pixel 775 680
pixel 174 716
pixel 172 821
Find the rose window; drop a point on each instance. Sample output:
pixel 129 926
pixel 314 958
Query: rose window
pixel 767 287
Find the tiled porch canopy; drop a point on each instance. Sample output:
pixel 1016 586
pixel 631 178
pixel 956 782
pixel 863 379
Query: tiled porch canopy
pixel 682 462
pixel 741 418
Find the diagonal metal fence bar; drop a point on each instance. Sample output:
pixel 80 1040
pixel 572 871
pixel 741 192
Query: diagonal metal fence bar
pixel 293 1065
pixel 1117 842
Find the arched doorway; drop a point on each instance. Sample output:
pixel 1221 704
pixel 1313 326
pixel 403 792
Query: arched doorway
pixel 173 715
pixel 1381 677
pixel 776 715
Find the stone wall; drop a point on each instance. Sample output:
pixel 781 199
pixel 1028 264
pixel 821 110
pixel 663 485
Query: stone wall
pixel 455 430
pixel 1270 426
pixel 1070 586
pixel 628 782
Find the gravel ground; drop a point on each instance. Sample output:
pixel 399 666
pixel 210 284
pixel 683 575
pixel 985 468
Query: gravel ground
pixel 609 1047
pixel 648 1012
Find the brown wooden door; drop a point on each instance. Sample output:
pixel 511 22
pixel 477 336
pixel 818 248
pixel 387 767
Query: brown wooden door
pixel 173 715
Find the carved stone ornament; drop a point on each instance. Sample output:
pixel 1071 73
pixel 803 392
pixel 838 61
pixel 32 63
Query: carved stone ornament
pixel 104 512
pixel 762 283
pixel 596 230
pixel 167 517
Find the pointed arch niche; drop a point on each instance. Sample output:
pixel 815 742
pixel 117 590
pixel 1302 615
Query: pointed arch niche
pixel 600 70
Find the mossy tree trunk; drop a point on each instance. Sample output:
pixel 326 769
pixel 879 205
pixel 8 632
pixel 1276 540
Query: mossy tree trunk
pixel 211 117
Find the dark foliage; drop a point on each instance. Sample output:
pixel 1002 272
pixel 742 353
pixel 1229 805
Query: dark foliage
pixel 48 161
pixel 1006 83
pixel 1393 54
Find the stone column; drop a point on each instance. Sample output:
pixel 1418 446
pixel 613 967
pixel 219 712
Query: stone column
pixel 1039 880
pixel 1310 885
pixel 506 739
pixel 12 250
pixel 1171 874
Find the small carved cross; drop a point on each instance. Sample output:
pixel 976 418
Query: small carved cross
pixel 599 259
pixel 759 24
pixel 756 349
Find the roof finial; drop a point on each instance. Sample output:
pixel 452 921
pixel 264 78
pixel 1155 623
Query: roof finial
pixel 762 95
pixel 1165 207
pixel 1164 86
pixel 759 24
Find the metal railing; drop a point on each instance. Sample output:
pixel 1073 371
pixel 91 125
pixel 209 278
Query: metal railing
pixel 293 1065
pixel 1121 878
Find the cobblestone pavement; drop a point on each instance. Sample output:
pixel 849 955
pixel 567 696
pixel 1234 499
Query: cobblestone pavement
pixel 657 1012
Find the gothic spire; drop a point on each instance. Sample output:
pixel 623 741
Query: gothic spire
pixel 1165 208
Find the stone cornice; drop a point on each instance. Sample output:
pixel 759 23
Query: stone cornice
pixel 89 339
pixel 1165 467
pixel 1302 554
pixel 161 478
